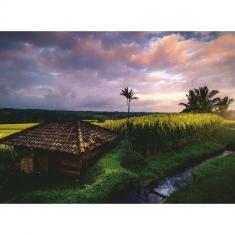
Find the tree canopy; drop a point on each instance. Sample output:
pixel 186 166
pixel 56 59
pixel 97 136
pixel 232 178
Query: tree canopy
pixel 129 95
pixel 202 100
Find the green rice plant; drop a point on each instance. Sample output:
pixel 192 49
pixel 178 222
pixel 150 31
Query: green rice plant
pixel 154 133
pixel 7 154
pixel 16 126
pixel 8 129
pixel 229 123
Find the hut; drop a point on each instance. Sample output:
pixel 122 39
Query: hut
pixel 59 147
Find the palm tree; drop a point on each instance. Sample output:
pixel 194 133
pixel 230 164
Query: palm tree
pixel 201 100
pixel 192 104
pixel 223 104
pixel 129 95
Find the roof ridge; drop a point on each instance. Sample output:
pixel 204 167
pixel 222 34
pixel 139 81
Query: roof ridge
pixel 79 137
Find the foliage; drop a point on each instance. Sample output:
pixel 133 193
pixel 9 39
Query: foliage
pixel 119 169
pixel 129 95
pixel 212 182
pixel 40 115
pixel 114 172
pixel 19 127
pixel 14 186
pixel 6 152
pixel 104 180
pixel 223 104
pixel 134 161
pixel 204 101
pixel 154 133
pixel 100 120
pixel 8 129
pixel 229 123
pixel 159 166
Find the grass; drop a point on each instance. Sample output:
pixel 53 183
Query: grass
pixel 119 170
pixel 154 133
pixel 6 152
pixel 229 123
pixel 212 182
pixel 16 126
pixel 116 171
pixel 8 129
pixel 4 133
pixel 104 180
pixel 159 166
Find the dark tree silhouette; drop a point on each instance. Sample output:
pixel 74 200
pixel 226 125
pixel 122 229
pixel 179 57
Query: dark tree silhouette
pixel 129 95
pixel 223 104
pixel 202 100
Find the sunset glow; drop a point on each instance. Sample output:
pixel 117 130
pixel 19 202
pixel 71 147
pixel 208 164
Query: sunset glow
pixel 87 70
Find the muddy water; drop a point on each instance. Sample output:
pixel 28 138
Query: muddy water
pixel 158 193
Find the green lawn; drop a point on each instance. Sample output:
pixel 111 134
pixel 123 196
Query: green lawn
pixel 213 182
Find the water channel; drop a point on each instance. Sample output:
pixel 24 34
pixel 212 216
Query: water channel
pixel 159 192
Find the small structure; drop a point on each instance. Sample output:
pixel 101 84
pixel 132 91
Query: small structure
pixel 59 147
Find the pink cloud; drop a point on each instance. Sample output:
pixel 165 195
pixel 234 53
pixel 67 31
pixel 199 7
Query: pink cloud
pixel 64 70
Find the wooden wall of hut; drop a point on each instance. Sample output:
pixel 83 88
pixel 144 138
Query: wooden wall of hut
pixel 52 162
pixel 24 159
pixel 27 164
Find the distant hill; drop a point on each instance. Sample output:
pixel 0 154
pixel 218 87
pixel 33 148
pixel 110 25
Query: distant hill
pixel 8 115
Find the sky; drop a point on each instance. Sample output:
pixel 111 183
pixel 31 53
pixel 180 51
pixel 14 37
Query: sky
pixel 87 70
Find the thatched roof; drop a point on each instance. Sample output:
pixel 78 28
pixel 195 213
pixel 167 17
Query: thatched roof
pixel 69 137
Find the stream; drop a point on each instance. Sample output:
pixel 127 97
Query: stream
pixel 158 193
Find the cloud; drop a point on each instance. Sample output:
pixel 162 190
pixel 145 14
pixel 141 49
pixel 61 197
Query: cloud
pixel 87 70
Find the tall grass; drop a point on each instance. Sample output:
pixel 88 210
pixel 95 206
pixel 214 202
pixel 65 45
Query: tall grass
pixel 8 129
pixel 152 133
pixel 7 154
pixel 20 126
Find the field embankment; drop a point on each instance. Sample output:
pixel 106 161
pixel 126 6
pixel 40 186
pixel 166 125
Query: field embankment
pixel 212 182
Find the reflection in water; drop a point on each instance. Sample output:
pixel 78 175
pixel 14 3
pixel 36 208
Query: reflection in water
pixel 173 183
pixel 178 181
pixel 226 153
pixel 165 188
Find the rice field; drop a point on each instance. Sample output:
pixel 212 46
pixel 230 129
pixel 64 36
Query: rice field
pixel 229 123
pixel 8 129
pixel 153 133
pixel 6 152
